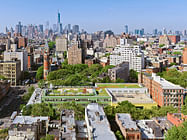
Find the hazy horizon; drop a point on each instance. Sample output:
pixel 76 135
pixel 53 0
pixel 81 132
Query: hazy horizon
pixel 97 15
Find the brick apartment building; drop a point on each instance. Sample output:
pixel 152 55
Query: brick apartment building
pixel 128 127
pixel 162 91
pixel 176 118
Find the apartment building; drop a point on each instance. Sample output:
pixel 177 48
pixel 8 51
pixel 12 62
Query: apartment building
pixel 75 55
pixel 97 123
pixel 128 127
pixel 19 55
pixel 67 125
pixel 120 71
pixel 128 53
pixel 11 70
pixel 162 91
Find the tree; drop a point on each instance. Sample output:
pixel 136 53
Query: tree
pixel 40 73
pixel 161 45
pixel 51 45
pixel 133 76
pixel 78 109
pixel 48 137
pixel 27 96
pixel 2 77
pixel 184 107
pixel 119 135
pixel 177 133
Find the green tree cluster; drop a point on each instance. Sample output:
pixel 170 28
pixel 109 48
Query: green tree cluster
pixel 133 76
pixel 177 133
pixel 137 113
pixel 174 76
pixel 161 45
pixel 54 113
pixel 184 107
pixel 78 109
pixel 40 73
pixel 40 110
pixel 177 53
pixel 3 133
pixel 2 77
pixel 51 45
pixel 48 137
pixel 26 97
pixel 78 75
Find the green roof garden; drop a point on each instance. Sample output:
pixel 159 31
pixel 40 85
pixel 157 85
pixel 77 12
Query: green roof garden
pixel 123 85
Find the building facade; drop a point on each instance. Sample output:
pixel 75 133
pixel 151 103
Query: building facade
pixel 11 70
pixel 162 91
pixel 127 53
pixel 128 127
pixel 121 71
pixel 75 55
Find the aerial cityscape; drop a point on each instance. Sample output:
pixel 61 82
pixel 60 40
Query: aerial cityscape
pixel 93 70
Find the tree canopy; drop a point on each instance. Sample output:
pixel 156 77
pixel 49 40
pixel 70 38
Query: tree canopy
pixel 78 75
pixel 177 133
pixel 40 72
pixel 174 76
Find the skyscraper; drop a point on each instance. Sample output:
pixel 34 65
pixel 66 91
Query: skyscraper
pixel 18 28
pixel 126 29
pixel 75 29
pixel 59 24
pixel 155 32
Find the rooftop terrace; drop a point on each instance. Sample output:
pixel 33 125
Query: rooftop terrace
pixel 117 85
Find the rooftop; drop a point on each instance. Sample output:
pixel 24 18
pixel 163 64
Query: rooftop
pixel 164 83
pixel 150 130
pixel 28 119
pixel 36 97
pixel 126 121
pixel 117 85
pixel 98 123
pixel 70 91
pixel 67 124
pixel 133 95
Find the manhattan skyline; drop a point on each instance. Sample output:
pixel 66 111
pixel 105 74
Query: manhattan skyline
pixel 97 15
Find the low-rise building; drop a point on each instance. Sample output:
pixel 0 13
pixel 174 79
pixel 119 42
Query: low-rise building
pixel 67 125
pixel 27 127
pixel 97 123
pixel 176 118
pixel 150 130
pixel 128 127
pixel 121 71
pixel 80 95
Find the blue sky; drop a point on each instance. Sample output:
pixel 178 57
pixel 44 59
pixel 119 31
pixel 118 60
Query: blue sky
pixel 94 15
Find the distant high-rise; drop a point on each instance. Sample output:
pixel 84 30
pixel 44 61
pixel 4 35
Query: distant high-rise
pixel 75 29
pixel 19 28
pixel 142 32
pixel 136 31
pixel 41 28
pixel 155 32
pixel 58 17
pixel 126 29
pixel 59 24
pixel 164 31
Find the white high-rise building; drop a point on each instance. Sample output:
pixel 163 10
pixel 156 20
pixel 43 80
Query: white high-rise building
pixel 128 53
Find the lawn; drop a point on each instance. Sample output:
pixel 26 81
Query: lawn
pixel 118 86
pixel 102 92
